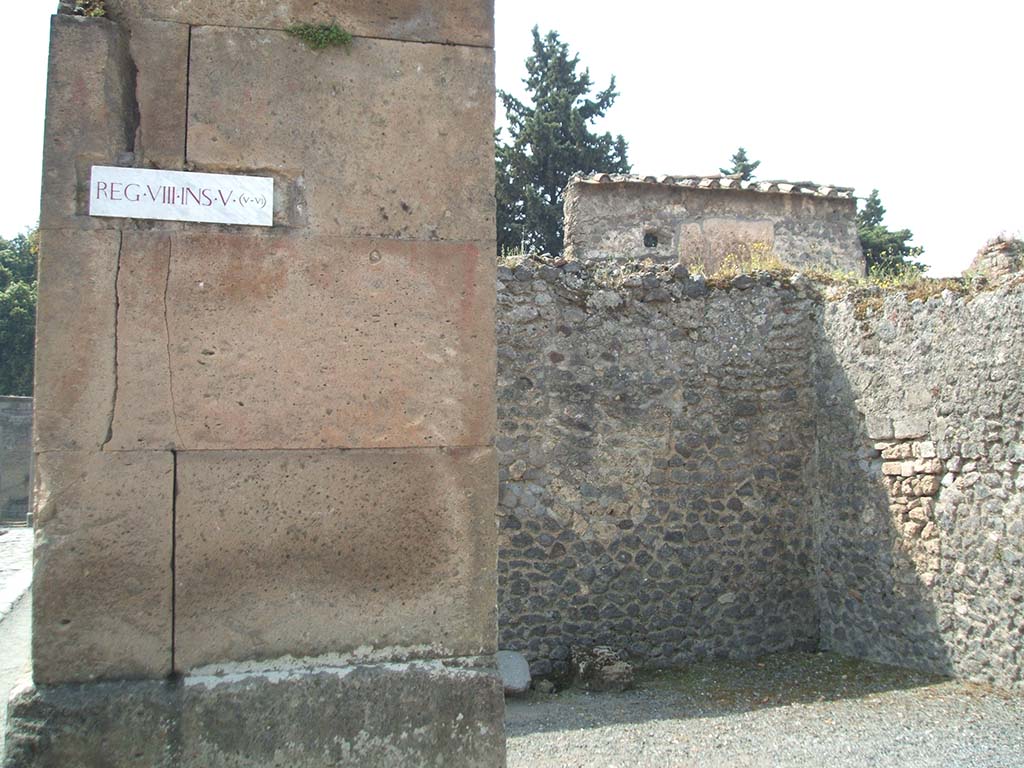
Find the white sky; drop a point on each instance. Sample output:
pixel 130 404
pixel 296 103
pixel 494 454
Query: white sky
pixel 921 102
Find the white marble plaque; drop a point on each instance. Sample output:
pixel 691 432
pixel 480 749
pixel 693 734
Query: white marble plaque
pixel 215 198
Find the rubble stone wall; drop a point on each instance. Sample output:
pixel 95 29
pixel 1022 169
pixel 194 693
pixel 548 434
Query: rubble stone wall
pixel 656 442
pixel 920 522
pixel 15 458
pixel 691 470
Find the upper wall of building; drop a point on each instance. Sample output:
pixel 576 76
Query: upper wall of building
pixel 708 221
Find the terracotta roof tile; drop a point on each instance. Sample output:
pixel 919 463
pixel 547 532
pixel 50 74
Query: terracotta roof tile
pixel 719 181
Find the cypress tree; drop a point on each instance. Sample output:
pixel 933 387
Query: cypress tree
pixel 741 165
pixel 550 140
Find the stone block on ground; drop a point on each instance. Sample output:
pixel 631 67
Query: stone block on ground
pixel 409 715
pixel 102 584
pixel 515 672
pixel 601 669
pixel 309 553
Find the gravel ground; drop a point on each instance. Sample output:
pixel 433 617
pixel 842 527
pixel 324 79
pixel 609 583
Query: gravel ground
pixel 786 710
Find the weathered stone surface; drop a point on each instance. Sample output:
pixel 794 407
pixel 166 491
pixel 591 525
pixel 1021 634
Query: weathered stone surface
pixel 283 342
pixel 75 367
pixel 391 140
pixel 143 411
pixel 401 716
pixel 90 115
pixel 92 726
pixel 307 553
pixel 358 717
pixel 15 458
pixel 462 22
pixel 159 51
pixel 998 259
pixel 515 672
pixel 102 582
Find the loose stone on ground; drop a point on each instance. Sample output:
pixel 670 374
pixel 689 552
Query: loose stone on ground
pixel 515 672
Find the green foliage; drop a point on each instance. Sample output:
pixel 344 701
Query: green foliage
pixel 741 165
pixel 550 140
pixel 888 253
pixel 320 36
pixel 17 313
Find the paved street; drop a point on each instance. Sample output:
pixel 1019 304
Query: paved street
pixel 15 566
pixel 15 613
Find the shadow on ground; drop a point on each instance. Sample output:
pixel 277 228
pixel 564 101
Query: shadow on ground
pixel 713 689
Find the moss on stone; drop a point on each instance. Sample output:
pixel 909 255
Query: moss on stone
pixel 320 36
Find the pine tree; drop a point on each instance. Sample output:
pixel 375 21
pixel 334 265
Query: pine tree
pixel 550 140
pixel 887 252
pixel 741 165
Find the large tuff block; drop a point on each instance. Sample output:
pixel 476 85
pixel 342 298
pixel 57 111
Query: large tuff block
pixel 283 342
pixel 144 409
pixel 102 583
pixel 74 373
pixel 90 114
pixel 463 22
pixel 390 140
pixel 159 52
pixel 396 715
pixel 309 553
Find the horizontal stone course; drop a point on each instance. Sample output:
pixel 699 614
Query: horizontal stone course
pixel 401 715
pixel 385 138
pixel 308 553
pixel 303 342
pixel 460 22
pixel 102 578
